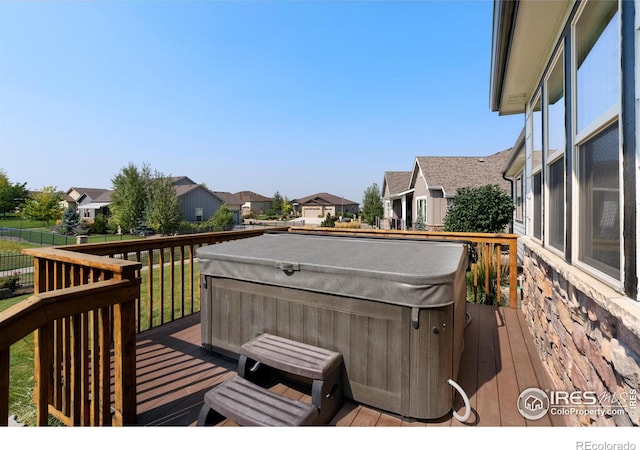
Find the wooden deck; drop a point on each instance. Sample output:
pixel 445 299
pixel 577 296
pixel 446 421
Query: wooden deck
pixel 499 362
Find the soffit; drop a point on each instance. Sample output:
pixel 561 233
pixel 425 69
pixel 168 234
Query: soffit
pixel 537 27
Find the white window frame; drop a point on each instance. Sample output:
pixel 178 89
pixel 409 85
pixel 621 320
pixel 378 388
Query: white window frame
pixel 606 119
pixel 558 58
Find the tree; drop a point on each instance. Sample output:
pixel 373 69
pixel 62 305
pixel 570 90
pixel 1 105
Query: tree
pixel 372 204
pixel 44 205
pixel 286 206
pixel 163 212
pixel 277 204
pixel 130 196
pixel 222 219
pixel 328 221
pixel 11 195
pixel 70 221
pixel 487 209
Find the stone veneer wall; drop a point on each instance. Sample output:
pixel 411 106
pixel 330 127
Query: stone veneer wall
pixel 587 334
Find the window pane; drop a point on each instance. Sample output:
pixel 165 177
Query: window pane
pixel 597 40
pixel 555 109
pixel 600 202
pixel 537 205
pixel 556 204
pixel 537 126
pixel 519 205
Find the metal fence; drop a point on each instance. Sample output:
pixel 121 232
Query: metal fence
pixel 16 265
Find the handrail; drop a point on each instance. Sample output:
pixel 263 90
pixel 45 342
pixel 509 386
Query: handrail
pixel 490 240
pixel 90 350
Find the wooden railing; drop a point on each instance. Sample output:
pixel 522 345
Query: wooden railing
pixel 90 301
pixel 489 246
pixel 83 315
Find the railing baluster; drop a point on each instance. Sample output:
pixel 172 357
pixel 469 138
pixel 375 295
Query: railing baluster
pixel 104 397
pixel 182 281
pixel 150 287
pixel 172 281
pixel 191 265
pixel 161 277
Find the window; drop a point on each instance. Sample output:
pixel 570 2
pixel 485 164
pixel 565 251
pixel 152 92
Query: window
pixel 519 205
pixel 421 211
pixel 598 62
pixel 600 202
pixel 556 204
pixel 537 205
pixel 555 109
pixel 597 58
pixel 555 147
pixel 198 214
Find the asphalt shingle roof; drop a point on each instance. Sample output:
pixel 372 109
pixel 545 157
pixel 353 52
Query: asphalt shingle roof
pixel 453 172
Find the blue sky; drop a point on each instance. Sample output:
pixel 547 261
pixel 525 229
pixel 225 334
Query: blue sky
pixel 291 96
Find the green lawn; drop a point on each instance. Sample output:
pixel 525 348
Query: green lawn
pixel 21 374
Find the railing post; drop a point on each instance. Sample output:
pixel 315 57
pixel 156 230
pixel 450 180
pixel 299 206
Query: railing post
pixel 42 361
pixel 4 387
pixel 513 273
pixel 124 343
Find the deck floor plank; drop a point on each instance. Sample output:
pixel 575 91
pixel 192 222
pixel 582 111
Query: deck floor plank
pixel 498 362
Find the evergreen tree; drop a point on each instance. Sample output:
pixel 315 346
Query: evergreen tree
pixel 70 221
pixel 372 204
pixel 328 221
pixel 277 203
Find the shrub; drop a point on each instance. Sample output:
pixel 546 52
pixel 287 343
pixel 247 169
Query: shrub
pixel 328 221
pixel 487 209
pixel 12 282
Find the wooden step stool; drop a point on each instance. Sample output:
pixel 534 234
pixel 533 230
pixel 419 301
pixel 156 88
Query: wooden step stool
pixel 321 367
pixel 248 404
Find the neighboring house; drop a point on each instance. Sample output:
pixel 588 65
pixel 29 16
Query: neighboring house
pixel 570 68
pixel 432 186
pixel 321 204
pixel 253 203
pixel 93 202
pixel 233 202
pixel 397 198
pixel 197 203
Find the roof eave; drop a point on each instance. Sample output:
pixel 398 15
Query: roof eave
pixel 504 15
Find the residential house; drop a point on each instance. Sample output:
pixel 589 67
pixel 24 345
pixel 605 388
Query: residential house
pixel 570 68
pixel 93 202
pixel 88 202
pixel 396 196
pixel 253 203
pixel 433 184
pixel 197 203
pixel 321 204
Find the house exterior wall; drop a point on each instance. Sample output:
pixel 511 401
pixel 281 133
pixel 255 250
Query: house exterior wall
pixel 586 334
pixel 198 198
pixel 585 324
pixel 436 210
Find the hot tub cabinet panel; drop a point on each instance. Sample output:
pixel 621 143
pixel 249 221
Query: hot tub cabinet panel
pixel 397 357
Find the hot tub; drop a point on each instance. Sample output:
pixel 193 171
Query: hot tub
pixel 394 308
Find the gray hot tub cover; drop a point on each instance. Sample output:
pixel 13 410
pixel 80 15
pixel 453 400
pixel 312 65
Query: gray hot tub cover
pixel 414 273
